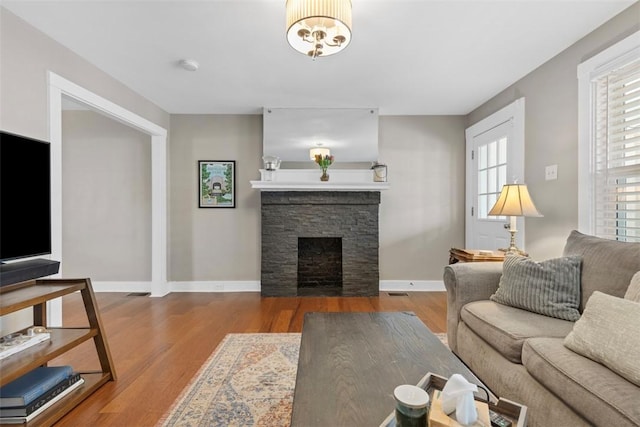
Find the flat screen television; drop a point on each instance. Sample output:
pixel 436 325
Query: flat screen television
pixel 25 197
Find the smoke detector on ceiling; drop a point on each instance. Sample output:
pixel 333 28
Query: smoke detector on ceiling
pixel 189 64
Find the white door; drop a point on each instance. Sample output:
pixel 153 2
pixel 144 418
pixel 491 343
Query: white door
pixel 495 157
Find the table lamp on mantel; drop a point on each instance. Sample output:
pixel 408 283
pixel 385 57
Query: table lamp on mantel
pixel 514 201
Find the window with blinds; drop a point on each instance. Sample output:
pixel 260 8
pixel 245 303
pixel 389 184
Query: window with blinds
pixel 616 156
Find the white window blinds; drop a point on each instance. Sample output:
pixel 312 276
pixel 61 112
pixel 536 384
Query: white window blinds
pixel 616 156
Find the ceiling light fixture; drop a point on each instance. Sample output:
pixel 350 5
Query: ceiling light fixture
pixel 318 27
pixel 189 64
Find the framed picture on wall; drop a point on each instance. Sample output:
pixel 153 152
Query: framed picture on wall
pixel 217 183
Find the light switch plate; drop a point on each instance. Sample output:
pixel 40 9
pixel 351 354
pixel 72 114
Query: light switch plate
pixel 551 172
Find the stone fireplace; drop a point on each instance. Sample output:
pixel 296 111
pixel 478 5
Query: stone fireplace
pixel 320 243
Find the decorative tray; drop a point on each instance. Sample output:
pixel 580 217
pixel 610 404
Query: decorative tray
pixel 513 411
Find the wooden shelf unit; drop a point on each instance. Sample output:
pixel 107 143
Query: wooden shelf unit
pixel 36 293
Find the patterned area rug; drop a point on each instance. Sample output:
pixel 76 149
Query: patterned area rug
pixel 248 381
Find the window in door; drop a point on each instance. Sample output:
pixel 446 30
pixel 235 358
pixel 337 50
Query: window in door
pixel 492 175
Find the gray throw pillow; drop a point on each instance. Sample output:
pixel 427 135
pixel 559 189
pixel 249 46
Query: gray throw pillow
pixel 549 287
pixel 607 265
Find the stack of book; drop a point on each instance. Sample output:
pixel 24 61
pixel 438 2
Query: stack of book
pixel 26 397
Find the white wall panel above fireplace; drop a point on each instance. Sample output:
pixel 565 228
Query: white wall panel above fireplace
pixel 350 133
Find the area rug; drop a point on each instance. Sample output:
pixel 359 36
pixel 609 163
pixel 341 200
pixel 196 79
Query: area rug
pixel 247 381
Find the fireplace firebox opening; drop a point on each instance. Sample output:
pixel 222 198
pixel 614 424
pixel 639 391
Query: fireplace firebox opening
pixel 319 266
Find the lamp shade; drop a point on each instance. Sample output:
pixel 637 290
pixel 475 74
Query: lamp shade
pixel 514 200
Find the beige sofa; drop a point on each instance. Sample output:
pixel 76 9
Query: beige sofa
pixel 520 355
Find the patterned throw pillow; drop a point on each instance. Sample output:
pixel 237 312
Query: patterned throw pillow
pixel 607 333
pixel 633 291
pixel 549 287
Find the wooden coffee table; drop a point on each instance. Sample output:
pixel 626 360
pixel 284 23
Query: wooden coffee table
pixel 350 363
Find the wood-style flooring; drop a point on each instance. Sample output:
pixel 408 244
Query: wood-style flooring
pixel 158 344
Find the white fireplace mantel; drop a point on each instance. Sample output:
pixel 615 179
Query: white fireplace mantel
pixel 309 180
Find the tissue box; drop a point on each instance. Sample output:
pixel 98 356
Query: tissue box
pixel 437 417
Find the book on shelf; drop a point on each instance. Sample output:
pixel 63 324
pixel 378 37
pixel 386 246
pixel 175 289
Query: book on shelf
pixel 57 398
pixel 23 411
pixel 33 384
pixel 23 343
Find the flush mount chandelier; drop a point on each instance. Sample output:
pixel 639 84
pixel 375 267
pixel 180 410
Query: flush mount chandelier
pixel 318 27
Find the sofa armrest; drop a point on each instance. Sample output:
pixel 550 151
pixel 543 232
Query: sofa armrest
pixel 466 282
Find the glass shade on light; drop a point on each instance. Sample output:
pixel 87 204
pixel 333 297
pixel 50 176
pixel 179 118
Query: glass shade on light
pixel 321 151
pixel 318 27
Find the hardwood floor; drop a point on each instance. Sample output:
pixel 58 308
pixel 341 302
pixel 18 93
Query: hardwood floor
pixel 158 344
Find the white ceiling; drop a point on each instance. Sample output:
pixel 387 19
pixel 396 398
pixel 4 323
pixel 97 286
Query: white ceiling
pixel 406 57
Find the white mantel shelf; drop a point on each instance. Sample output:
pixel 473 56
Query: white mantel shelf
pixel 320 186
pixel 309 180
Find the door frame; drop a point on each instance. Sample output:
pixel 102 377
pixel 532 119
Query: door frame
pixel 513 112
pixel 59 86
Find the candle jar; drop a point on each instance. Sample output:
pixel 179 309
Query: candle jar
pixel 271 165
pixel 411 406
pixel 379 172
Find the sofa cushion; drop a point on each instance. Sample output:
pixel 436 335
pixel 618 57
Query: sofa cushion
pixel 608 333
pixel 599 394
pixel 505 328
pixel 607 265
pixel 633 291
pixel 549 287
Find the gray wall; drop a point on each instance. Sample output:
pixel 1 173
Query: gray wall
pixel 106 199
pixel 422 215
pixel 212 243
pixel 551 133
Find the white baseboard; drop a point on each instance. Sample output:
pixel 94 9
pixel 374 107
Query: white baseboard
pixel 124 286
pixel 253 286
pixel 412 285
pixel 216 286
pixel 186 286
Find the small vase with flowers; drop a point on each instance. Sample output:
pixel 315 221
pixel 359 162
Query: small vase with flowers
pixel 324 162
